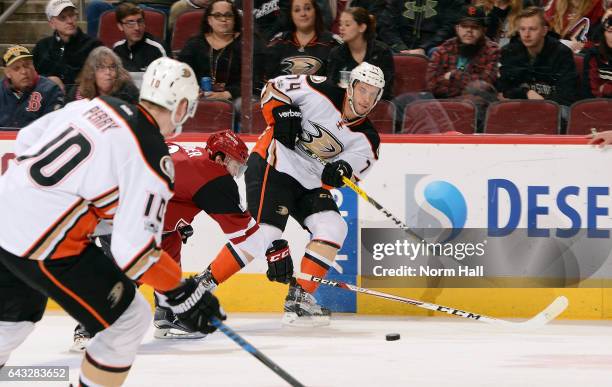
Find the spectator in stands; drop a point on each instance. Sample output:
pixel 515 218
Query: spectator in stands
pixel 470 56
pixel 103 74
pixel 25 96
pixel 139 48
pixel 96 8
pixel 61 56
pixel 216 51
pixel 537 66
pixel 410 28
pixel 358 29
pixel 336 7
pixel 502 19
pixel 598 64
pixel 574 20
pixel 268 17
pixel 305 47
pixel 182 6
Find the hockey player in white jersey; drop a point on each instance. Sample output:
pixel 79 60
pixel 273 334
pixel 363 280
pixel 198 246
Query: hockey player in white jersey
pixel 92 160
pixel 307 114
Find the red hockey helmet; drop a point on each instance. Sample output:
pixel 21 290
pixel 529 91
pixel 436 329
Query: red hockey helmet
pixel 227 143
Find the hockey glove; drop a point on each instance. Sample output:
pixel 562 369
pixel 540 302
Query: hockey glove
pixel 334 172
pixel 280 264
pixel 186 233
pixel 287 124
pixel 193 305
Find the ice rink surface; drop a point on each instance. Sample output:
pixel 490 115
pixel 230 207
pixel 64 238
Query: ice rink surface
pixel 352 351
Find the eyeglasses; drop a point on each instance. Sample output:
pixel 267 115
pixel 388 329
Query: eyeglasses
pixel 133 23
pixel 219 16
pixel 112 68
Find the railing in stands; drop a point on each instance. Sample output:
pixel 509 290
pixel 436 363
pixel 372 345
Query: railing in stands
pixel 10 10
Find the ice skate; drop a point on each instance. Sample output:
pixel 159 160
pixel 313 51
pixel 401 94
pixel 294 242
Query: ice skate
pixel 167 326
pixel 301 309
pixel 80 339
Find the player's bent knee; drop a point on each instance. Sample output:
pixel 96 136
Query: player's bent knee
pixel 111 352
pixel 327 226
pixel 12 334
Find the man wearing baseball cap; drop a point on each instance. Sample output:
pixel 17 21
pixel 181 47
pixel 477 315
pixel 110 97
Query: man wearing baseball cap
pixel 24 95
pixel 63 54
pixel 469 56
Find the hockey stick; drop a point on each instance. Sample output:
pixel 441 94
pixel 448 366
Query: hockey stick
pixel 365 196
pixel 255 352
pixel 542 318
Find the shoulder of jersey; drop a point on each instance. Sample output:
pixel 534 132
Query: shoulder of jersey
pixel 324 86
pixel 367 128
pixel 151 143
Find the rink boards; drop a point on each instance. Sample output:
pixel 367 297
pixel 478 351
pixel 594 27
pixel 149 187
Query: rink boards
pixel 540 183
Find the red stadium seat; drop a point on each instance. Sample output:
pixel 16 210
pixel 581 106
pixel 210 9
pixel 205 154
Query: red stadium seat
pixel 590 113
pixel 108 33
pixel 439 116
pixel 409 73
pixel 523 117
pixel 187 25
pixel 211 116
pixel 383 117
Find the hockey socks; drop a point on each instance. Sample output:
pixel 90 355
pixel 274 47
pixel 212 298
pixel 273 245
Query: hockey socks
pixel 312 263
pixel 227 263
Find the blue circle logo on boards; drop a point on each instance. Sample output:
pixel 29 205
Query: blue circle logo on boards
pixel 446 198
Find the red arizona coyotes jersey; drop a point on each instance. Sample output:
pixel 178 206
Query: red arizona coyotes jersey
pixel 325 131
pixel 92 160
pixel 203 185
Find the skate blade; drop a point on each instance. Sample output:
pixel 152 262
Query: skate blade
pixel 79 346
pixel 293 320
pixel 169 333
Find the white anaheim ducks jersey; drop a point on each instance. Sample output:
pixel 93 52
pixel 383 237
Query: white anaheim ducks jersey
pixel 92 160
pixel 324 130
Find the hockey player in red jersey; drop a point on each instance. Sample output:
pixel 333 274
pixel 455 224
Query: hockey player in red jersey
pixel 97 159
pixel 307 114
pixel 204 181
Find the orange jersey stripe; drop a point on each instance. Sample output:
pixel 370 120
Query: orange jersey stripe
pixel 263 193
pixel 76 238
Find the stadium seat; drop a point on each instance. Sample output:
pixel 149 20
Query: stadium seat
pixel 590 113
pixel 187 25
pixel 108 33
pixel 439 116
pixel 383 117
pixel 523 116
pixel 211 116
pixel 409 73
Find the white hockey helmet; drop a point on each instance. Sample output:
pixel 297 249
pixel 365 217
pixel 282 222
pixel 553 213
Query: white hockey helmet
pixel 166 82
pixel 370 74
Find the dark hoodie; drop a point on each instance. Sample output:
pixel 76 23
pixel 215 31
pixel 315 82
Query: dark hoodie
pixel 53 57
pixel 406 25
pixel 552 73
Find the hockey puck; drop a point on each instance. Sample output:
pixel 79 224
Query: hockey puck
pixel 392 336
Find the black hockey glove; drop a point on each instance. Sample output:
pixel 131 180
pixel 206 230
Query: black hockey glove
pixel 186 233
pixel 334 172
pixel 280 264
pixel 194 305
pixel 287 124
